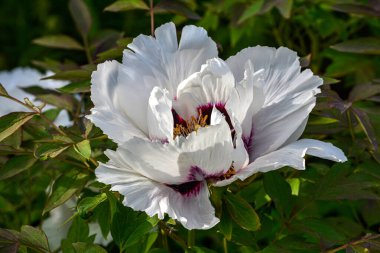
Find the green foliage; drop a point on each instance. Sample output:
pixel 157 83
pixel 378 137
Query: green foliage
pixel 43 167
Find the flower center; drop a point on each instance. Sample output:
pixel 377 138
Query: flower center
pixel 185 127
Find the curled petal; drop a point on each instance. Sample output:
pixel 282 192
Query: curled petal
pixel 212 85
pixel 160 117
pixel 293 155
pixel 192 211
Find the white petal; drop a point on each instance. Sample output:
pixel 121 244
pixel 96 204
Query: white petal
pixel 247 98
pixel 160 117
pixel 293 155
pixel 168 62
pixel 282 71
pixel 153 160
pixel 273 125
pixel 209 149
pixel 55 227
pixel 109 113
pixel 212 85
pixel 63 119
pixel 18 78
pixel 193 211
pixel 283 80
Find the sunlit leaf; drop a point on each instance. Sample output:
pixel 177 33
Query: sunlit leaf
pixel 83 148
pixel 49 150
pixel 58 41
pixel 88 204
pixel 126 5
pixel 12 121
pixel 242 212
pixel 81 16
pixel 359 46
pixel 76 87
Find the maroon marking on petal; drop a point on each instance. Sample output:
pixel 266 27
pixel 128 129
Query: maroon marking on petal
pixel 207 110
pixel 188 189
pixel 248 142
pixel 193 186
pixel 178 120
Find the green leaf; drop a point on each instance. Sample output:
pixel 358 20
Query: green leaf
pixel 329 80
pixel 225 224
pixel 34 238
pixel 64 188
pixel 16 165
pixel 81 16
pixel 140 230
pixel 357 9
pixel 79 231
pixel 242 212
pixel 338 184
pixel 76 87
pixel 251 11
pixel 52 97
pixel 279 190
pixel 83 148
pixel 368 45
pixel 3 92
pixel 88 204
pixel 128 226
pixel 285 7
pixel 126 5
pixel 318 228
pixel 366 125
pixel 112 53
pixel 72 75
pixel 82 247
pixel 49 150
pixel 12 121
pixel 321 121
pixel 58 41
pixel 363 91
pixel 176 7
pixel 9 241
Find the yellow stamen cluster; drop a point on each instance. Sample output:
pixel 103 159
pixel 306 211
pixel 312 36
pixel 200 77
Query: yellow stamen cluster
pixel 191 125
pixel 230 172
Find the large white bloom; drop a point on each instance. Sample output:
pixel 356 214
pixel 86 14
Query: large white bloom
pixel 18 78
pixel 183 118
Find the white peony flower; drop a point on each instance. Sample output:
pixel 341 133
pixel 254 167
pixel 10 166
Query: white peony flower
pixel 18 78
pixel 183 118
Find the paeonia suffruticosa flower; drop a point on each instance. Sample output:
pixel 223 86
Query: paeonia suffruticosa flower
pixel 184 119
pixel 15 80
